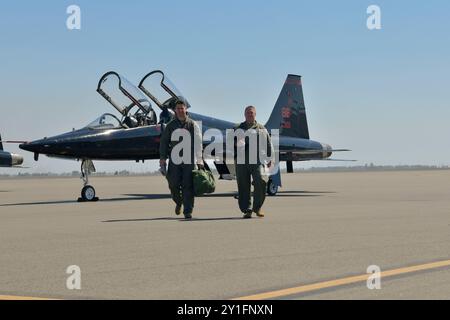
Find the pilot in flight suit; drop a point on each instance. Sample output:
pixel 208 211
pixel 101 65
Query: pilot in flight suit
pixel 179 176
pixel 256 171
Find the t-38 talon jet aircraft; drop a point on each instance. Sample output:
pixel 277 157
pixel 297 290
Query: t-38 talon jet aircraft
pixel 8 159
pixel 136 135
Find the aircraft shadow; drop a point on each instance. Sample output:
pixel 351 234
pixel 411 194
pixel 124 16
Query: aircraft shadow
pixel 292 193
pixel 133 197
pixel 36 203
pixel 218 195
pixel 130 197
pixel 279 194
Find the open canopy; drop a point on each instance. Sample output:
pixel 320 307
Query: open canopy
pixel 161 90
pixel 122 94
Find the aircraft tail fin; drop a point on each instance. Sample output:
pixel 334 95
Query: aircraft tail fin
pixel 289 114
pixel 1 144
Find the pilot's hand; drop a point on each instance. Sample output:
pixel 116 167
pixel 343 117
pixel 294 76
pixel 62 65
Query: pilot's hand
pixel 200 165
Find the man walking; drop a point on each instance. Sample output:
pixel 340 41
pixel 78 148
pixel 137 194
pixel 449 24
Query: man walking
pixel 179 174
pixel 248 141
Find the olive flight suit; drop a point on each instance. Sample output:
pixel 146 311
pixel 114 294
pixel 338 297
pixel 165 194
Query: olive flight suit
pixel 179 176
pixel 247 171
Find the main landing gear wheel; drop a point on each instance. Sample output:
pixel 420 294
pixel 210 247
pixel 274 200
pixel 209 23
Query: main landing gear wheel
pixel 272 188
pixel 88 191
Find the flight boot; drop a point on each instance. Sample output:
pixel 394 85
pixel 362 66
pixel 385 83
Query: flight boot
pixel 178 209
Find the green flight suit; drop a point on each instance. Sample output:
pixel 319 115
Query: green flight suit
pixel 246 172
pixel 179 176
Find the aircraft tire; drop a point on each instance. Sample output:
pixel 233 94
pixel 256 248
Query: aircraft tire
pixel 272 189
pixel 88 193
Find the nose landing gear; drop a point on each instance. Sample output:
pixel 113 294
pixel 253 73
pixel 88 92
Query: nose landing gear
pixel 88 191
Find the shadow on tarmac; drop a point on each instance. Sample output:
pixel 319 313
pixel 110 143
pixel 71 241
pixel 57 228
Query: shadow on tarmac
pixel 132 197
pixel 180 219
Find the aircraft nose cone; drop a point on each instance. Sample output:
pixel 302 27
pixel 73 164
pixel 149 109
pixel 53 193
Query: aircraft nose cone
pixel 24 146
pixel 31 146
pixel 44 146
pixel 39 146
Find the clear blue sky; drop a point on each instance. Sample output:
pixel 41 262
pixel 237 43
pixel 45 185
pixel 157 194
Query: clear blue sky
pixel 384 94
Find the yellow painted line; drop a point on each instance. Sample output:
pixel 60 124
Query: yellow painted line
pixel 22 298
pixel 344 281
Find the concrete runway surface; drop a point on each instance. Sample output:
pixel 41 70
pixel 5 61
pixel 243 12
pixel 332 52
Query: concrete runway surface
pixel 320 233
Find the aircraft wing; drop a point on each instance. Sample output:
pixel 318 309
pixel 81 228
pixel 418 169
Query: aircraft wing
pixel 312 151
pixel 328 159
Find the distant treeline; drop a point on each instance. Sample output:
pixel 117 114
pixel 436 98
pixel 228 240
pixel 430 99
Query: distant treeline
pixel 121 173
pixel 124 173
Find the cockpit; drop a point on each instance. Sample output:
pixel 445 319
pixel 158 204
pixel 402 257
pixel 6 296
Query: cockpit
pixel 133 103
pixel 105 121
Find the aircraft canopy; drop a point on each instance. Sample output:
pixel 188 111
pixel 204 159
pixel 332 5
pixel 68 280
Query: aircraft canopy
pixel 105 121
pixel 161 90
pixel 122 94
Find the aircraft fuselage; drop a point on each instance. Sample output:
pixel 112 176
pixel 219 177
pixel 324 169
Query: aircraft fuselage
pixel 141 143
